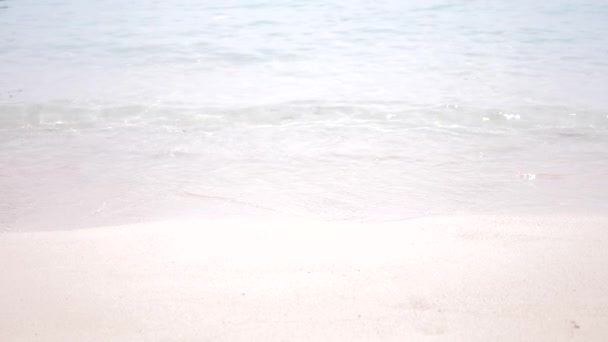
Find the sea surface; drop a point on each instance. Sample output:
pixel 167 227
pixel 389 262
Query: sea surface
pixel 116 112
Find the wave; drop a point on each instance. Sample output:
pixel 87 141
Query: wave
pixel 381 116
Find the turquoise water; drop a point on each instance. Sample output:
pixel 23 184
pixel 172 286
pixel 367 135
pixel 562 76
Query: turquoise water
pixel 114 112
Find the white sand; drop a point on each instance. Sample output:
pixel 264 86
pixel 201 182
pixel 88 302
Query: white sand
pixel 462 279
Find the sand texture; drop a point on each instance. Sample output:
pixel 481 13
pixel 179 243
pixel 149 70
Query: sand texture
pixel 452 279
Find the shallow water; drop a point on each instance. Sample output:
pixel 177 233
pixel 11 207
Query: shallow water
pixel 118 112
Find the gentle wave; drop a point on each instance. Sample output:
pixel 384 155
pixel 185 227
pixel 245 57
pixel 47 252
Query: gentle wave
pixel 449 118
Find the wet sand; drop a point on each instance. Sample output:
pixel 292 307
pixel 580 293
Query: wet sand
pixel 453 278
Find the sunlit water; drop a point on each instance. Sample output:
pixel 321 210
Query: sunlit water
pixel 117 112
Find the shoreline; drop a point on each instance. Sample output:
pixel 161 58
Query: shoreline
pixel 449 278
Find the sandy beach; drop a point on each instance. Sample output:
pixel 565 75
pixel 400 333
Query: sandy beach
pixel 453 279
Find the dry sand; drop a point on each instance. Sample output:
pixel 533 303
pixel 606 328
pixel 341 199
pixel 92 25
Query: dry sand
pixel 457 279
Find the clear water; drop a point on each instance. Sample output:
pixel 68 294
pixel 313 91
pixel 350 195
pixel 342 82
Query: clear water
pixel 116 112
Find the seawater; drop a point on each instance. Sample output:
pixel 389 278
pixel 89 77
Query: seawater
pixel 116 112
